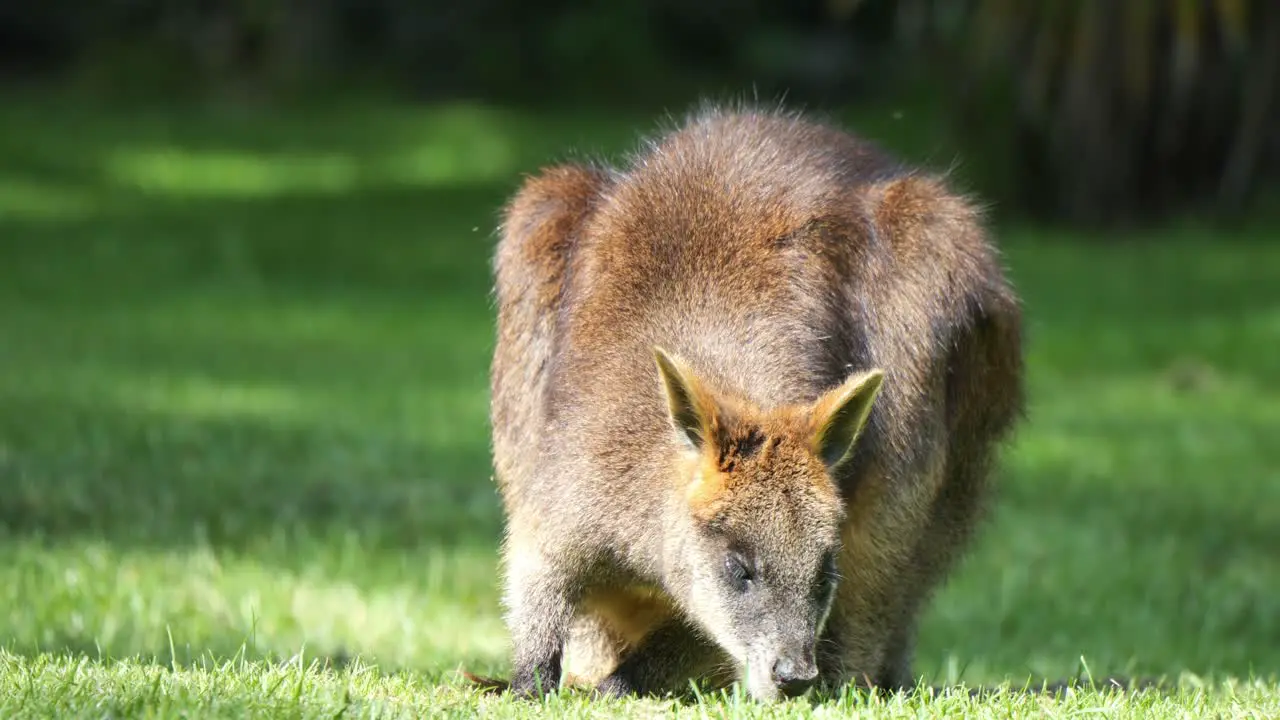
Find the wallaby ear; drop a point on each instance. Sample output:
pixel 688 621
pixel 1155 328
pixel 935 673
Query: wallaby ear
pixel 688 404
pixel 840 415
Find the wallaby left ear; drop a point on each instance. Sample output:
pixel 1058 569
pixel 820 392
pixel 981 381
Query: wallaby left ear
pixel 689 405
pixel 840 415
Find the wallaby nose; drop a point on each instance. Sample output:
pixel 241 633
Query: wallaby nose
pixel 793 677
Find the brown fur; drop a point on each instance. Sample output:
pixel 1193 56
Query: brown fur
pixel 772 261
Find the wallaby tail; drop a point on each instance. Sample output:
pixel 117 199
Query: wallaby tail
pixel 487 685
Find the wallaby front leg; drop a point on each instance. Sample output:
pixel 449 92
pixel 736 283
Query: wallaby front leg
pixel 896 674
pixel 862 655
pixel 665 661
pixel 540 606
pixel 840 664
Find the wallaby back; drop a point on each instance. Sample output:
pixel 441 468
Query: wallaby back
pixel 789 273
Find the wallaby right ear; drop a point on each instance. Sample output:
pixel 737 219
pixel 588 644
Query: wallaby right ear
pixel 688 403
pixel 841 414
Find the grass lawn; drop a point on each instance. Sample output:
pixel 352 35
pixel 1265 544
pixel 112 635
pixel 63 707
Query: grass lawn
pixel 244 454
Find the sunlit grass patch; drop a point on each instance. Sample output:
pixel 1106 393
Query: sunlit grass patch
pixel 446 145
pixel 219 174
pixel 424 608
pixel 34 200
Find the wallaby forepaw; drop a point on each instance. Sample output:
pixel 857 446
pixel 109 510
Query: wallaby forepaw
pixel 533 685
pixel 614 686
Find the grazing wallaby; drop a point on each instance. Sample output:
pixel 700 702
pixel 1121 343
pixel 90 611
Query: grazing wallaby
pixel 747 393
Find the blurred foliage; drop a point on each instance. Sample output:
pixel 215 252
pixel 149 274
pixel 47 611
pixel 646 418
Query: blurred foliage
pixel 1084 110
pixel 1115 109
pixel 551 49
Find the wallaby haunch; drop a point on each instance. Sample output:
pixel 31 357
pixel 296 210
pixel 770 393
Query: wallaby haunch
pixel 747 395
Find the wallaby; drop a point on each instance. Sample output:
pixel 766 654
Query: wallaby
pixel 747 395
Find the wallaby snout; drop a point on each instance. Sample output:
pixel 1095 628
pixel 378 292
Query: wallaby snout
pixel 795 671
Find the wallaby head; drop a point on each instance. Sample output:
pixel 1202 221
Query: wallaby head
pixel 756 518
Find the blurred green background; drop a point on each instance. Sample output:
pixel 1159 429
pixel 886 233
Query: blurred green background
pixel 245 311
pixel 1086 110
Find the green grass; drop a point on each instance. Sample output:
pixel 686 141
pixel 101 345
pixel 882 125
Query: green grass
pixel 244 456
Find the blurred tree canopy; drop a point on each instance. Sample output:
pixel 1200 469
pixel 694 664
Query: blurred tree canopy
pixel 1085 110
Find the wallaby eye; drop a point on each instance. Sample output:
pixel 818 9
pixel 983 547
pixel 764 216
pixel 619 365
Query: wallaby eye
pixel 737 572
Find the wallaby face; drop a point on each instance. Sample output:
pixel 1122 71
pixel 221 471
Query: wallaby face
pixel 761 519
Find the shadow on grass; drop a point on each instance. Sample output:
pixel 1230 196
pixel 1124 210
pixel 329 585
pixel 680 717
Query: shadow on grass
pixel 227 345
pixel 151 478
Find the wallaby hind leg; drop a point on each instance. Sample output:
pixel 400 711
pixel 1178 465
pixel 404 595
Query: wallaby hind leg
pixel 540 608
